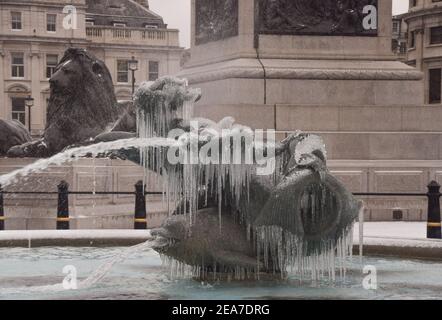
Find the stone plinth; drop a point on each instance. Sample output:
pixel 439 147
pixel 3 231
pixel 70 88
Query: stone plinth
pixel 302 83
pixel 29 212
pixel 219 36
pixel 260 70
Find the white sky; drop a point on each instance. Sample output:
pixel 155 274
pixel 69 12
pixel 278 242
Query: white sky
pixel 176 14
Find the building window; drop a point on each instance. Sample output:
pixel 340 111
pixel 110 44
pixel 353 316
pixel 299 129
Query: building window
pixel 16 21
pixel 436 35
pixel 18 65
pixel 151 26
pixel 396 27
pixel 154 70
pixel 119 25
pixel 18 110
pixel 90 22
pixel 51 22
pixel 51 64
pixel 394 45
pixel 435 85
pixel 403 48
pixel 412 39
pixel 122 71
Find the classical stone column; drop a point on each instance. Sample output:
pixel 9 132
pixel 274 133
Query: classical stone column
pixel 36 74
pixel 3 71
pixel 419 44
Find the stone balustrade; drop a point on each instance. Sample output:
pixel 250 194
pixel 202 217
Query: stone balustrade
pixel 152 37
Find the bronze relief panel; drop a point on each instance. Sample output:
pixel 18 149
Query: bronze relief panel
pixel 215 20
pixel 318 17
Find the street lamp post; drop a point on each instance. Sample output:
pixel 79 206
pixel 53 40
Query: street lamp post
pixel 29 103
pixel 133 66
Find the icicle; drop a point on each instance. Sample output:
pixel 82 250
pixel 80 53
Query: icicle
pixel 361 233
pixel 281 250
pixel 94 186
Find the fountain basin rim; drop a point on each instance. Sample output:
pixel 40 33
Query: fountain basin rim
pixel 73 238
pixel 407 248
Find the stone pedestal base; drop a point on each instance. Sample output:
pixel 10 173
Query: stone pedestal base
pixel 244 88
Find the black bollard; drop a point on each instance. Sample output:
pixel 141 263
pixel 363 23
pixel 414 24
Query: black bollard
pixel 434 216
pixel 63 206
pixel 2 210
pixel 140 206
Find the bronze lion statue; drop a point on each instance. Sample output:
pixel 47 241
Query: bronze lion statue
pixel 82 105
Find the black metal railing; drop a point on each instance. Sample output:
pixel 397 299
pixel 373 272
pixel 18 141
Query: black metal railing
pixel 63 193
pixel 434 226
pixel 2 210
pixel 433 196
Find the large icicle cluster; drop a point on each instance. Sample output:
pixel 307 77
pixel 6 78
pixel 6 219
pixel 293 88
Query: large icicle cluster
pixel 204 175
pixel 158 105
pixel 281 251
pixel 195 180
pixel 195 177
pixel 180 270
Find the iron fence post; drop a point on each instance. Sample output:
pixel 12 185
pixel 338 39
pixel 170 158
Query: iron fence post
pixel 140 206
pixel 63 206
pixel 2 210
pixel 434 215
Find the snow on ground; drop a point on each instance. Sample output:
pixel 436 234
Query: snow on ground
pixel 398 239
pixel 404 230
pixel 376 234
pixel 408 230
pixel 401 238
pixel 74 234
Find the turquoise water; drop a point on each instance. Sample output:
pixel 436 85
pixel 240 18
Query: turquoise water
pixel 27 273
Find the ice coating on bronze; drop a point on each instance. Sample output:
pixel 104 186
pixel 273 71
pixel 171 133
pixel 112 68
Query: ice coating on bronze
pixel 227 220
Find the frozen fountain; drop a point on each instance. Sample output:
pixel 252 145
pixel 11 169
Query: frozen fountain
pixel 240 204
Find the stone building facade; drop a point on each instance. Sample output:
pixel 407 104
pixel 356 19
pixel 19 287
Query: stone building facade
pixel 399 43
pixel 424 28
pixel 35 33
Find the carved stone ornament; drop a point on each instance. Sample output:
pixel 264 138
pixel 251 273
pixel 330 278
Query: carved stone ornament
pixel 215 20
pixel 318 17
